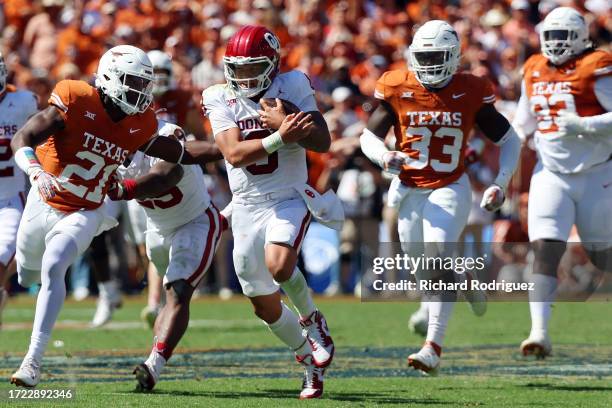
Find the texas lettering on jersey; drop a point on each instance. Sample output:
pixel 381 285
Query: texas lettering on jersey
pixel 86 153
pixel 551 90
pixel 433 127
pixel 569 87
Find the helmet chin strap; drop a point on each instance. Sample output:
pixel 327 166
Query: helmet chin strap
pixel 439 85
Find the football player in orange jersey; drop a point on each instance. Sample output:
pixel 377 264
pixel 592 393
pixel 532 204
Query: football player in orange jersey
pixel 432 110
pixel 82 137
pixel 566 102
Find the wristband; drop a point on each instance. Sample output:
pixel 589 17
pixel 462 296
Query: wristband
pixel 129 188
pixel 273 142
pixel 26 158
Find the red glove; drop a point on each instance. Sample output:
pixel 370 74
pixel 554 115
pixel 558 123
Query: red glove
pixel 122 190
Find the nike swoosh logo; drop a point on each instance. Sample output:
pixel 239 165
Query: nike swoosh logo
pixel 133 130
pixel 455 96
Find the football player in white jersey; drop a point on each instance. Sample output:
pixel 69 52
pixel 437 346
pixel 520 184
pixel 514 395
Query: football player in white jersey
pixel 267 174
pixel 183 231
pixel 16 106
pixel 566 102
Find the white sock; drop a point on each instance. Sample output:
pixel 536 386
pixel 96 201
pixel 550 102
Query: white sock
pixel 108 289
pixel 424 308
pixel 298 292
pixel 287 328
pixel 541 301
pixel 60 253
pixel 439 313
pixel 38 345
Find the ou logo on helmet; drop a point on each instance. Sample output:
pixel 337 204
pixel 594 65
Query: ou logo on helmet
pixel 272 40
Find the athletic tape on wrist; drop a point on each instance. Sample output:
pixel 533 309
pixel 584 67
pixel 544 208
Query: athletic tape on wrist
pixel 273 142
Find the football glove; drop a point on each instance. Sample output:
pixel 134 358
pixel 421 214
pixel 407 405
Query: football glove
pixel 393 161
pixel 571 124
pixel 493 198
pixel 46 183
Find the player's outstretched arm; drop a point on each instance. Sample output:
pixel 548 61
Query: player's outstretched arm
pixel 35 131
pixel 192 152
pixel 161 178
pixel 373 136
pixel 241 153
pixel 496 127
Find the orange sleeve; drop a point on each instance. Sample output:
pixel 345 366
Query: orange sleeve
pixel 61 97
pixel 603 65
pixel 488 92
pixel 381 90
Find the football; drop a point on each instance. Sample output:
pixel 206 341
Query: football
pixel 288 106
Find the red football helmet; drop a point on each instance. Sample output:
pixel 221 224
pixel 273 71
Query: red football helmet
pixel 251 60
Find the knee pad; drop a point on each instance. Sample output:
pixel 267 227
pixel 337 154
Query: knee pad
pixel 27 277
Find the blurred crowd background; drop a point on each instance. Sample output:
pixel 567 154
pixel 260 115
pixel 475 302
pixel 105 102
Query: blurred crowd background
pixel 344 47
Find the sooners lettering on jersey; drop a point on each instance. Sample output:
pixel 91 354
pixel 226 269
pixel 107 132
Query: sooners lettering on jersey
pixel 91 146
pixel 173 106
pixel 280 170
pixel 15 109
pixel 433 126
pixel 568 87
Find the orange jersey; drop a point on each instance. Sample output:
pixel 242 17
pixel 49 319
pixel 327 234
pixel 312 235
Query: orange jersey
pixel 433 126
pixel 568 87
pixel 173 106
pixel 86 153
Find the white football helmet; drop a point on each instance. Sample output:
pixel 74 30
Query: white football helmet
pixel 434 53
pixel 3 74
pixel 563 35
pixel 125 74
pixel 162 71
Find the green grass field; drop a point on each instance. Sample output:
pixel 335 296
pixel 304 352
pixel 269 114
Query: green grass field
pixel 228 358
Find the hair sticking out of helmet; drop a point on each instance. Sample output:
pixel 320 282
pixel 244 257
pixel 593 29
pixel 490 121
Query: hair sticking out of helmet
pixel 251 60
pixel 125 74
pixel 563 35
pixel 162 71
pixel 3 74
pixel 434 53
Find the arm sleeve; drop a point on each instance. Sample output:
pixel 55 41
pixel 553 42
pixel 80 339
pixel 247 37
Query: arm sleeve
pixel 524 121
pixel 216 111
pixel 509 152
pixel 303 93
pixel 493 124
pixel 373 147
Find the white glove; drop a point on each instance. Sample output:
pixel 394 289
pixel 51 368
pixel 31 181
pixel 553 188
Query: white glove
pixel 571 124
pixel 393 161
pixel 45 182
pixel 493 198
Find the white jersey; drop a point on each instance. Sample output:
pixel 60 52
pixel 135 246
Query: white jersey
pixel 15 109
pixel 581 87
pixel 183 203
pixel 281 170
